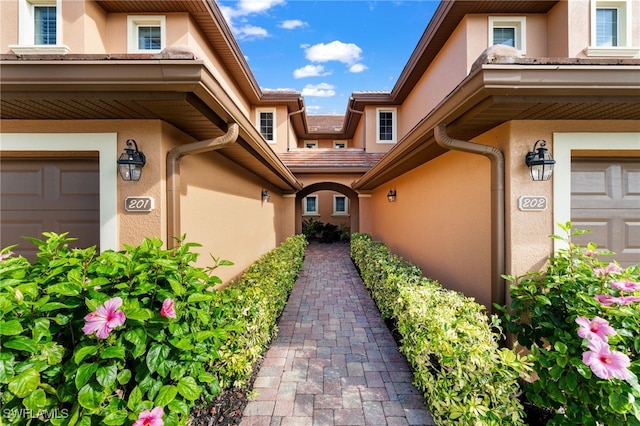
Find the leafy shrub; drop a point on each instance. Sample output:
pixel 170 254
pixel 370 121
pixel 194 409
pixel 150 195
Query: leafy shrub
pixel 447 338
pixel 311 228
pixel 580 318
pixel 111 338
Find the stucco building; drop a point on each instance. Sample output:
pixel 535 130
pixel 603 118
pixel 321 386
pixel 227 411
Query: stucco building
pixel 237 168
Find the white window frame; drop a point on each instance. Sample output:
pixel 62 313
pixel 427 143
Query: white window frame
pixel 26 30
pixel 340 144
pixel 310 144
pixel 346 205
pixel 518 23
pixel 134 22
pixel 259 112
pixel 394 118
pixel 624 47
pixel 306 212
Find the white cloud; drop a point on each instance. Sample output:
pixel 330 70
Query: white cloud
pixel 291 24
pixel 347 53
pixel 248 7
pixel 310 71
pixel 323 90
pixel 250 32
pixel 356 68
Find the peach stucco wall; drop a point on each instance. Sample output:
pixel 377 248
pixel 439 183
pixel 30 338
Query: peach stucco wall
pixel 221 205
pixel 9 27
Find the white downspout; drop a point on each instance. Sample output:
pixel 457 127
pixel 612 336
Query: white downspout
pixel 498 258
pixel 173 175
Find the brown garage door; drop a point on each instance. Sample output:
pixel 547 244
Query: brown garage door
pixel 605 198
pixel 49 195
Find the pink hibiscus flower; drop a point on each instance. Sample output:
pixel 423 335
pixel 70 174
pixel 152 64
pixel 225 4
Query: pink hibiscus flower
pixel 605 299
pixel 626 285
pixel 597 328
pixel 627 300
pixel 168 308
pixel 150 418
pixel 609 269
pixel 104 319
pixel 606 363
pixel 5 256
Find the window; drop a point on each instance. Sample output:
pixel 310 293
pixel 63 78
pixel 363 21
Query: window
pixel 311 144
pixel 386 125
pixel 266 124
pixel 39 28
pixel 611 29
pixel 310 205
pixel 340 205
pixel 146 34
pixel 508 30
pixel 339 144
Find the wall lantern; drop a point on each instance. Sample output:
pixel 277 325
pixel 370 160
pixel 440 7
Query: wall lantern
pixel 391 195
pixel 266 195
pixel 540 162
pixel 131 162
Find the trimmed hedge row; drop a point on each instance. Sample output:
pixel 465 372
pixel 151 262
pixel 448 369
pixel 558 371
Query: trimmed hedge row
pixel 447 338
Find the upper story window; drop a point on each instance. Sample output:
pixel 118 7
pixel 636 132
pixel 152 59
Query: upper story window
pixel 310 144
pixel 266 124
pixel 340 205
pixel 508 30
pixel 310 205
pixel 339 144
pixel 39 28
pixel 146 34
pixel 386 125
pixel 611 29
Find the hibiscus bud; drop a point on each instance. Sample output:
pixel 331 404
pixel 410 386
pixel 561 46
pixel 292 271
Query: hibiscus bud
pixel 19 295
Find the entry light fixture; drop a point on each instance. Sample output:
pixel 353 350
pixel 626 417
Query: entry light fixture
pixel 131 162
pixel 391 195
pixel 540 162
pixel 266 195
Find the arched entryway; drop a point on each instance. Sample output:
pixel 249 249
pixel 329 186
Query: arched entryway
pixel 350 194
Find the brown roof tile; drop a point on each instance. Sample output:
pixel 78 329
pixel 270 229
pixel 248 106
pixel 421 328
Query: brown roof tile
pixel 335 159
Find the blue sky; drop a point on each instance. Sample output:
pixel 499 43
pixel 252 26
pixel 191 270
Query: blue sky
pixel 327 49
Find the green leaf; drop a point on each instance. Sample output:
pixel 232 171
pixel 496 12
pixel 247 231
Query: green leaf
pixel 139 314
pixel 113 352
pixel 41 329
pixel 21 343
pixel 135 398
pixel 84 352
pixel 124 376
pixel 156 356
pixel 65 289
pixel 54 306
pixel 84 374
pixel 10 328
pixel 560 347
pixel 619 402
pixel 36 401
pixel 166 394
pixel 176 287
pixel 6 366
pixel 188 388
pixel 90 396
pixel 115 418
pixel 25 383
pixel 179 406
pixel 106 375
pixel 197 297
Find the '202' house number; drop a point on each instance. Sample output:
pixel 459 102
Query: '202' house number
pixel 138 204
pixel 532 203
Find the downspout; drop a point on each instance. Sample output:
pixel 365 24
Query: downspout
pixel 364 126
pixel 173 175
pixel 289 123
pixel 498 259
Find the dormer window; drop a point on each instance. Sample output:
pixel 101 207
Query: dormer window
pixel 146 34
pixel 611 29
pixel 508 30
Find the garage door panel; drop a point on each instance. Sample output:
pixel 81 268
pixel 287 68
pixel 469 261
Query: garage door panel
pixel 605 198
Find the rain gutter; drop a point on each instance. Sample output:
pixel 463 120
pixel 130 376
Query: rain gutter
pixel 498 288
pixel 289 123
pixel 173 174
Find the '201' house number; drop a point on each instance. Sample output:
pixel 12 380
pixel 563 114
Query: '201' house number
pixel 138 204
pixel 532 203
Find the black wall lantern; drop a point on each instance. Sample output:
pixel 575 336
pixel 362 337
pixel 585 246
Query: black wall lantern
pixel 131 162
pixel 540 162
pixel 391 195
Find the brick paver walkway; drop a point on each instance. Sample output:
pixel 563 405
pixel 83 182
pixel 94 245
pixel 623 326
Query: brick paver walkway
pixel 334 361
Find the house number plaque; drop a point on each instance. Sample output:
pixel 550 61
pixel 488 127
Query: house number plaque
pixel 532 203
pixel 138 204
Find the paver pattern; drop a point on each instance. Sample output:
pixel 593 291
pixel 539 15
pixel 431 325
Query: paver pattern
pixel 334 361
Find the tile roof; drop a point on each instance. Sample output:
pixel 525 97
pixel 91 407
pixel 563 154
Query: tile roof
pixel 325 123
pixel 334 159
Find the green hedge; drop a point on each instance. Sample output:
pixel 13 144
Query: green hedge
pixel 447 338
pixel 165 340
